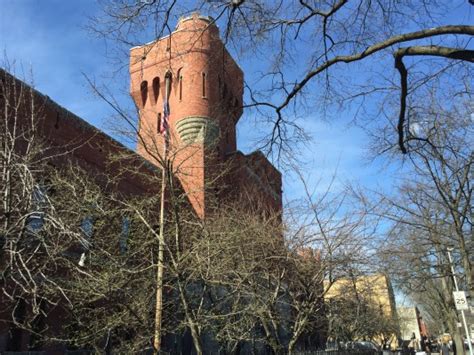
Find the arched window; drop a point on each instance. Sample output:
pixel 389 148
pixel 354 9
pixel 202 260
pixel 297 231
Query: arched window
pixel 144 92
pixel 168 80
pixel 156 88
pixel 203 84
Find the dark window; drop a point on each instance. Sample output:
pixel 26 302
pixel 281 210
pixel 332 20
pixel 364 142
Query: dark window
pixel 87 229
pixel 179 76
pixel 144 91
pixel 156 88
pixel 203 84
pixel 35 220
pixel 123 241
pixel 158 123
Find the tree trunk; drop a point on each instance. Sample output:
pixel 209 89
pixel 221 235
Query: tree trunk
pixel 291 345
pixel 196 339
pixel 456 332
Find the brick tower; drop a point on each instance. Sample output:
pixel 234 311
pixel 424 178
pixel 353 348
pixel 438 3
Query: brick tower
pixel 204 86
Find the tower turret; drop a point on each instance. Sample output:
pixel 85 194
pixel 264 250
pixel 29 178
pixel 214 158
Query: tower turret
pixel 193 71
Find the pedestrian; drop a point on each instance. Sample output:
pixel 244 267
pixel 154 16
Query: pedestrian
pixel 428 346
pixel 411 346
pixel 444 349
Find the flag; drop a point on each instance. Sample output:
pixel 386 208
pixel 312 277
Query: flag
pixel 164 124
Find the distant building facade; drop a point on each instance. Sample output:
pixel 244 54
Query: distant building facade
pixel 377 288
pixel 411 324
pixel 375 293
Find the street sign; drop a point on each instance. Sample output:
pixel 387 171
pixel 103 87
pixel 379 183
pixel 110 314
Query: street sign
pixel 460 301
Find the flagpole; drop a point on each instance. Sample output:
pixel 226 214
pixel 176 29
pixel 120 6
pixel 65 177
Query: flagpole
pixel 161 244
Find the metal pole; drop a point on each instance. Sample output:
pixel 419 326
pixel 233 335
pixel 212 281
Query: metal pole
pixel 462 312
pixel 161 243
pixel 159 272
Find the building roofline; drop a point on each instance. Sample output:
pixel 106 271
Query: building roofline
pixel 209 19
pixel 78 120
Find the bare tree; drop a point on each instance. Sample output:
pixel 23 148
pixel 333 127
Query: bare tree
pixel 81 249
pixel 433 212
pixel 361 307
pixel 307 47
pixel 33 236
pixel 276 273
pixel 70 267
pixel 428 57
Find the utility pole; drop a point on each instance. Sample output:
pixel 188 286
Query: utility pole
pixel 462 311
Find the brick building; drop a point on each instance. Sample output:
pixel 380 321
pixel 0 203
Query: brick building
pixel 194 73
pixel 62 139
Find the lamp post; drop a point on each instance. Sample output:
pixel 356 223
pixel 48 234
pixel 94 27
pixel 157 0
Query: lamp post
pixel 462 311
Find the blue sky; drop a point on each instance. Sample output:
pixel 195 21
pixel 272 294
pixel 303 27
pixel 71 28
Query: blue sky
pixel 49 38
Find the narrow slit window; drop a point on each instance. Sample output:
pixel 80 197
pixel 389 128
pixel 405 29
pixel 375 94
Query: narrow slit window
pixel 35 220
pixel 156 89
pixel 158 123
pixel 203 84
pixel 180 87
pixel 144 92
pixel 125 233
pixel 87 229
